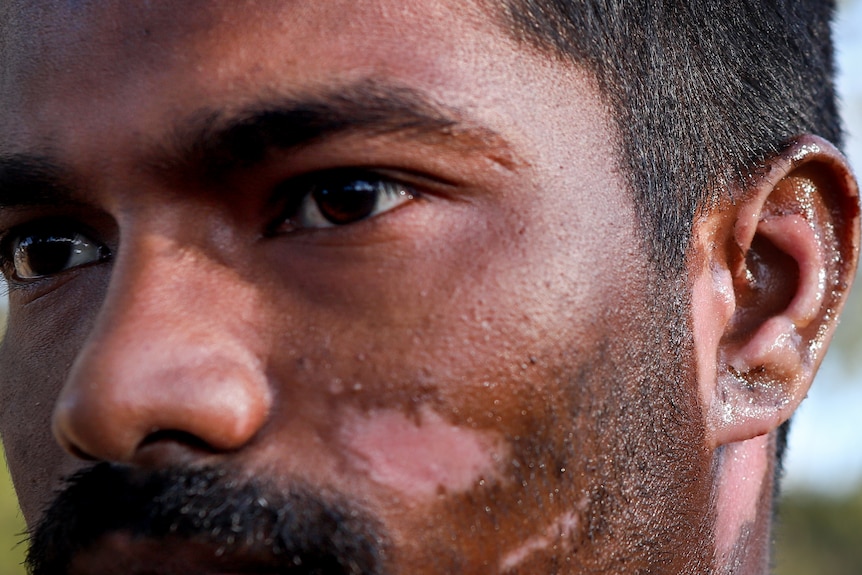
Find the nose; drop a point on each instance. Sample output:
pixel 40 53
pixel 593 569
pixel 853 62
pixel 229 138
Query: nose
pixel 172 358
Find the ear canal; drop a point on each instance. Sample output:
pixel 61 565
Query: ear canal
pixel 765 355
pixel 796 236
pixel 784 291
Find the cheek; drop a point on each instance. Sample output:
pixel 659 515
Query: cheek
pixel 41 342
pixel 503 501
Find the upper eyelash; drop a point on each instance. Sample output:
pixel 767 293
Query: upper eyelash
pixel 290 193
pixel 62 226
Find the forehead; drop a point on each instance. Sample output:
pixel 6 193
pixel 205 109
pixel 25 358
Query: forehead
pixel 111 34
pixel 86 55
pixel 82 78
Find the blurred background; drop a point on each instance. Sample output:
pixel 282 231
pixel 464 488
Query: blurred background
pixel 819 529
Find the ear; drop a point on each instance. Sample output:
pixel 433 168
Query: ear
pixel 771 269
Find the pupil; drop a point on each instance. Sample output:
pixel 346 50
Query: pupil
pixel 47 257
pixel 346 202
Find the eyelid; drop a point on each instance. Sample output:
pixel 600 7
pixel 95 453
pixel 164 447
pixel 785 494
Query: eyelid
pixel 422 181
pixel 53 225
pixel 291 193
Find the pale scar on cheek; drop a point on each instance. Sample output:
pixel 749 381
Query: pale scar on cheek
pixel 561 536
pixel 421 455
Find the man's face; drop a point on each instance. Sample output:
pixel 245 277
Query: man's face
pixel 374 258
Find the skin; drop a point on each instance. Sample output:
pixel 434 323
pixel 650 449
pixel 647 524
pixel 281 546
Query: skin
pixel 481 369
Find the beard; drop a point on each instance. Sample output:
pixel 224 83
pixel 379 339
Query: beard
pixel 300 531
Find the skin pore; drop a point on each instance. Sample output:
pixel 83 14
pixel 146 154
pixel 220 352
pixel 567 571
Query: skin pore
pixel 485 374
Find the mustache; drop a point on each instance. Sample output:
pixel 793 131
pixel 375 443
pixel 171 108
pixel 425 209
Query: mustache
pixel 298 530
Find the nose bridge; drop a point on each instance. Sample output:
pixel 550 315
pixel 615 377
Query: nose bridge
pixel 172 354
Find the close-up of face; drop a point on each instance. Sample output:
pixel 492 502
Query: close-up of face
pixel 361 287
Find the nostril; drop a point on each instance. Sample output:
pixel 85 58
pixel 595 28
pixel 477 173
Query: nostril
pixel 81 454
pixel 187 440
pixel 170 447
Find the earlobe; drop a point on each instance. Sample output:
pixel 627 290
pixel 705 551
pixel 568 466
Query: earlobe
pixel 771 272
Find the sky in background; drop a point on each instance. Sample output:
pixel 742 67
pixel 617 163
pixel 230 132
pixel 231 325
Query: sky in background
pixel 825 450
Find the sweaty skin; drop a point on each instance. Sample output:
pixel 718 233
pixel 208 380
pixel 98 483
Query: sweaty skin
pixel 490 309
pixel 482 376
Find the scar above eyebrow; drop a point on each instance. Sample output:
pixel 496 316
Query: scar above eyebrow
pixel 212 142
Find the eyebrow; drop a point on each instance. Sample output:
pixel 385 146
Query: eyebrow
pixel 213 143
pixel 210 143
pixel 34 180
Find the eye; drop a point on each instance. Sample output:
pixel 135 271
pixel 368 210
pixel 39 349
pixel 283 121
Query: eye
pixel 341 197
pixel 39 253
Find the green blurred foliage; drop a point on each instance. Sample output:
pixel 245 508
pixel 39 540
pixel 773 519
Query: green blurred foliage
pixel 12 530
pixel 819 534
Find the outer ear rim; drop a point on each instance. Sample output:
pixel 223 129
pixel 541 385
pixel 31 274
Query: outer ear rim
pixel 736 407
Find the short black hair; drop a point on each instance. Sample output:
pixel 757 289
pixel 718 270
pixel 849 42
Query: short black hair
pixel 702 91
